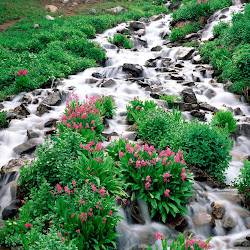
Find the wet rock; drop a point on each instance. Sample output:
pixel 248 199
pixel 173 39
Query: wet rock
pixel 1 106
pixel 42 109
pixel 26 147
pixel 123 30
pixel 155 95
pixel 109 83
pixel 243 130
pixel 53 99
pixel 50 123
pixel 247 225
pixel 248 237
pixel 184 106
pixel 147 237
pixel 165 62
pixel 137 25
pixel 50 131
pixel 22 110
pixel 14 165
pixel 228 223
pixel 48 17
pixel 9 212
pixel 37 92
pixel 31 134
pixel 51 8
pixel 185 53
pixel 189 96
pixel 152 62
pixel 238 156
pixel 192 36
pixel 188 84
pixel 118 9
pixel 142 41
pixel 207 107
pixel 156 18
pixel 91 80
pixel 178 223
pixel 242 243
pixel 140 32
pixel 144 20
pixel 227 85
pixel 210 93
pixel 165 33
pixel 143 84
pixel 204 220
pixel 198 114
pixel 238 111
pixel 135 69
pixel 179 65
pixel 27 99
pixel 176 77
pixel 35 101
pixel 156 48
pixel 196 59
pixel 218 210
pixel 106 135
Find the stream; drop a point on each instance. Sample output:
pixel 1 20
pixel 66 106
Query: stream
pixel 157 68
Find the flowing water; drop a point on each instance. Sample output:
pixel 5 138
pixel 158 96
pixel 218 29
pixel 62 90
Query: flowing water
pixel 123 91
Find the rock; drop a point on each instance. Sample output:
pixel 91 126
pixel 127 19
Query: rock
pixel 248 237
pixel 202 19
pixel 238 111
pixel 135 69
pixel 165 33
pixel 188 84
pixel 50 123
pixel 210 93
pixel 156 17
pixel 196 59
pixel 9 212
pixel 242 243
pixel 178 223
pixel 36 26
pixel 198 114
pixel 14 165
pixel 176 77
pixel 91 80
pixel 156 48
pixel 22 110
pixel 48 17
pixel 228 223
pixel 189 96
pixel 27 99
pixel 98 75
pixel 54 98
pixel 42 109
pixel 141 41
pixel 184 106
pixel 218 210
pixel 152 62
pixel 1 106
pixel 26 147
pixel 238 156
pixel 137 25
pixel 243 130
pixel 192 36
pixel 51 8
pixel 118 9
pixel 204 220
pixel 248 225
pixel 155 95
pixel 207 107
pixel 31 134
pixel 147 237
pixel 108 83
pixel 144 20
pixel 93 11
pixel 140 32
pixel 37 92
pixel 185 53
pixel 139 247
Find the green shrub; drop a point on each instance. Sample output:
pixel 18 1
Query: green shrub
pixel 220 28
pixel 106 105
pixel 243 183
pixel 191 44
pixel 206 147
pixel 183 243
pixel 170 98
pixel 121 41
pixel 225 119
pixel 180 32
pixel 160 180
pixel 3 122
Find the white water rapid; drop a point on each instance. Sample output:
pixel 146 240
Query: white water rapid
pixel 169 75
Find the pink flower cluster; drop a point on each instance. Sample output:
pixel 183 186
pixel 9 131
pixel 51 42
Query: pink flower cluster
pixel 159 236
pixel 27 225
pixel 90 146
pixel 202 244
pixel 147 184
pixel 21 72
pixel 204 1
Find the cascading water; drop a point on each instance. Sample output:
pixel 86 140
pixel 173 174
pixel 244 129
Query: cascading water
pixel 180 73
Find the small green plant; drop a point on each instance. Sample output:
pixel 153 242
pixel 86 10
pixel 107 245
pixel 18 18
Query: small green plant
pixel 22 81
pixel 171 99
pixel 225 119
pixel 3 122
pixel 106 105
pixel 191 44
pixel 243 183
pixel 159 179
pixel 121 41
pixel 182 243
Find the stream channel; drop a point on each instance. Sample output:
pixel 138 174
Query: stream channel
pixel 156 67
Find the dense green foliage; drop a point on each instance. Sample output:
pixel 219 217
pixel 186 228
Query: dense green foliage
pixel 158 179
pixel 121 41
pixel 194 9
pixel 243 183
pixel 229 53
pixel 170 99
pixel 3 122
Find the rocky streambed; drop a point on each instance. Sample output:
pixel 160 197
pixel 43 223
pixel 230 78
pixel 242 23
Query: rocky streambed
pixel 152 68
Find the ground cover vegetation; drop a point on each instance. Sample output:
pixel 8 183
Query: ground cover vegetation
pixel 229 52
pixel 121 41
pixel 57 48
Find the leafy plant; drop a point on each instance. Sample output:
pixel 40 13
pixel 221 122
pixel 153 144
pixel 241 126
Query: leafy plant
pixel 3 116
pixel 243 183
pixel 161 180
pixel 121 41
pixel 106 105
pixel 170 98
pixel 225 119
